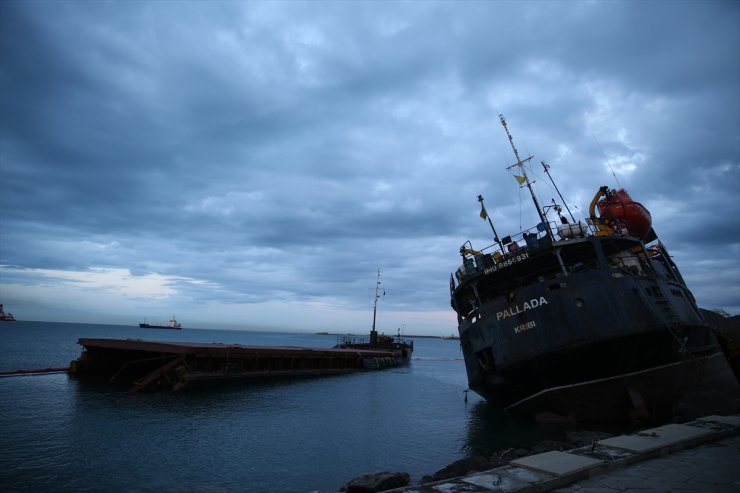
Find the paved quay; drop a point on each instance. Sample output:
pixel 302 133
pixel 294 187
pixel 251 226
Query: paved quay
pixel 700 456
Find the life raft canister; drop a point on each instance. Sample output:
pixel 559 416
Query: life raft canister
pixel 617 204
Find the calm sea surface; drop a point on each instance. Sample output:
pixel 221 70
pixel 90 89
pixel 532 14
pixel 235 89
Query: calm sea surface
pixel 302 435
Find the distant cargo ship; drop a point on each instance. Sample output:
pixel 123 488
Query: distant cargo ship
pixel 171 324
pixel 6 317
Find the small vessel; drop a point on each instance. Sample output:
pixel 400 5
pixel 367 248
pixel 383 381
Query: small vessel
pixel 588 319
pixel 6 317
pixel 171 324
pixel 400 348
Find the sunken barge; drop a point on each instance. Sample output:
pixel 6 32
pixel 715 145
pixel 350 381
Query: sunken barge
pixel 589 320
pixel 157 366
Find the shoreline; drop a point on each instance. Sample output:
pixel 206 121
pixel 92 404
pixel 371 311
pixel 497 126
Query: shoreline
pixel 552 464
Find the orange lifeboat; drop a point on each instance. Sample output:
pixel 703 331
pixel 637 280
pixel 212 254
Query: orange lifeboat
pixel 618 205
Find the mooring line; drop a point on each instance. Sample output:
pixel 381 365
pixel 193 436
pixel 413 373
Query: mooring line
pixel 26 373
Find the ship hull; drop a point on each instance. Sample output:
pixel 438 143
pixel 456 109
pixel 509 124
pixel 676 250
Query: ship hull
pixel 610 334
pixel 651 393
pixel 616 379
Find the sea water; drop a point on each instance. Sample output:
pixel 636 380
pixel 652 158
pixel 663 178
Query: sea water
pixel 301 435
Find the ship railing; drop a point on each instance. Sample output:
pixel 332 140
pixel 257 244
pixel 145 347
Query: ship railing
pixel 391 341
pixel 401 341
pixel 517 247
pixel 352 339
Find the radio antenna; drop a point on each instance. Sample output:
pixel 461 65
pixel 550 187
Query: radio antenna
pixel 607 161
pixel 547 167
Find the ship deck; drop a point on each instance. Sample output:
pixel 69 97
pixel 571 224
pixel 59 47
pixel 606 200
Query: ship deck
pixel 170 366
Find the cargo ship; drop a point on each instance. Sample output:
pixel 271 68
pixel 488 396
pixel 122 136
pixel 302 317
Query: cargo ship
pixel 587 320
pixel 171 324
pixel 6 317
pixel 400 348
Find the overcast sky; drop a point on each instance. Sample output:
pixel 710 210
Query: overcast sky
pixel 253 164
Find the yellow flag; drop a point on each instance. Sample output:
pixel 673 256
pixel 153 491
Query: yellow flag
pixel 483 213
pixel 520 179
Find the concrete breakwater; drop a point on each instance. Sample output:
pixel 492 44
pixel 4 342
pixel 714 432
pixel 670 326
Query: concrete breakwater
pixel 614 462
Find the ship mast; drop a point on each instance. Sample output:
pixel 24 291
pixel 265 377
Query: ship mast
pixel 373 332
pixel 547 168
pixel 483 212
pixel 520 163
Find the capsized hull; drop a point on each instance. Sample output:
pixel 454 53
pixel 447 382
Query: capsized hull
pixel 157 366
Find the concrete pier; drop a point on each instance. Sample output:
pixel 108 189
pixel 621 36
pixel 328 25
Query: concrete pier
pixel 700 456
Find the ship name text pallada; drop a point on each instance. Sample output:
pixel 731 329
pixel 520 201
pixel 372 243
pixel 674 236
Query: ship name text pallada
pixel 516 309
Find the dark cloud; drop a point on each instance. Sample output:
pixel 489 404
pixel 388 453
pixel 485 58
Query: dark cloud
pixel 264 159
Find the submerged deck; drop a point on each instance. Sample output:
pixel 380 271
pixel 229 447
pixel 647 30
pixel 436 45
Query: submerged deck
pixel 170 366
